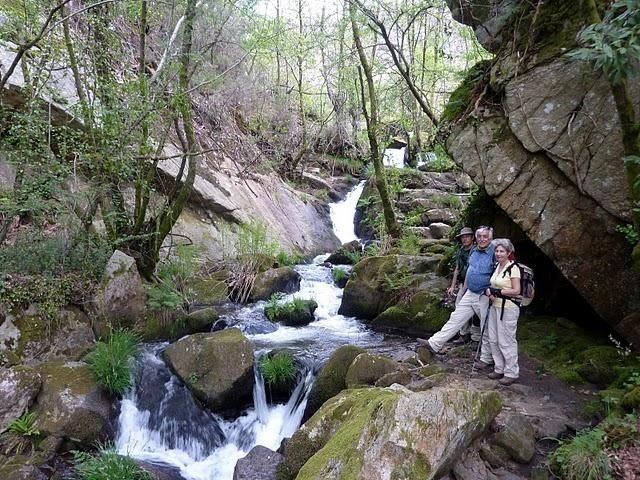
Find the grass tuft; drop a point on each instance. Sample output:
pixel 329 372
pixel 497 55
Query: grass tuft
pixel 110 361
pixel 277 369
pixel 108 465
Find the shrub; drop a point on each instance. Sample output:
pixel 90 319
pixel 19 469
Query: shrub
pixel 286 259
pixel 409 244
pixel 175 275
pixel 24 425
pixel 582 458
pixel 21 434
pixel 108 465
pixel 253 241
pixel 110 361
pixel 277 369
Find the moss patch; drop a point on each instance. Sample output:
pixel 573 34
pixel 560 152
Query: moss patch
pixel 422 314
pixel 462 96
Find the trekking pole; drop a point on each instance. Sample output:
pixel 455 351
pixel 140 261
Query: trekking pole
pixel 479 348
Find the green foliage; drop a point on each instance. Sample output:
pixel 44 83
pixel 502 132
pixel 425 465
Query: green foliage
pixel 253 242
pixel 108 465
pixel 175 275
pixel 338 275
pixel 275 309
pixel 277 369
pixel 287 259
pixel 582 458
pixel 461 98
pixel 614 44
pixel 110 361
pixel 442 161
pixel 408 243
pixel 24 425
pixel 629 232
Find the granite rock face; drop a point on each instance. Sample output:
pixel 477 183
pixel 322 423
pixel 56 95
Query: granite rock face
pixel 551 155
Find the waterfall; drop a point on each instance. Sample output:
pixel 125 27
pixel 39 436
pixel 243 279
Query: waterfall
pixel 342 214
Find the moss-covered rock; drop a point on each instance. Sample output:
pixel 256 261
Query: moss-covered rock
pixel 70 404
pixel 212 289
pixel 631 400
pixel 283 279
pixel 363 433
pixel 461 98
pixel 376 283
pixel 598 364
pixel 293 314
pixel 331 378
pixel 172 325
pixel 517 437
pixel 367 368
pixel 217 367
pixel 421 314
pixel 347 254
pixel 19 467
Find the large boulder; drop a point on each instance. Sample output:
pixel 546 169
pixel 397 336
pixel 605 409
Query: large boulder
pixel 300 313
pixel 388 433
pixel 367 368
pixel 121 298
pixel 259 464
pixel 283 279
pixel 541 157
pixel 517 437
pixel 71 405
pixel 331 378
pixel 26 337
pixel 18 389
pixel 375 282
pixel 217 367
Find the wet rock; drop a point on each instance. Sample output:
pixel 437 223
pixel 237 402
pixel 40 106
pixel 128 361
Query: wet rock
pixel 367 432
pixel 331 378
pixel 259 464
pixel 70 404
pixel 217 367
pixel 347 254
pixel 160 472
pixel 401 377
pixel 18 468
pixel 517 437
pixel 121 298
pixel 297 317
pixel 341 279
pixel 367 368
pixel 283 279
pixel 18 389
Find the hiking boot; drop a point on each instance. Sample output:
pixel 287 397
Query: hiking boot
pixel 480 365
pixel 506 381
pixel 462 340
pixel 425 343
pixel 495 375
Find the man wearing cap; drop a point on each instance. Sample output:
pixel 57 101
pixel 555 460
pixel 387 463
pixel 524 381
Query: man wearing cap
pixel 466 238
pixel 474 300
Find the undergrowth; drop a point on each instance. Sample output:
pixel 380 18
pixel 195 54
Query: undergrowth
pixel 275 308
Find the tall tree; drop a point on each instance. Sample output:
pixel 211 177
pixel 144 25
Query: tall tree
pixel 372 121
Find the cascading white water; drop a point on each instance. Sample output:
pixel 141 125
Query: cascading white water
pixel 343 212
pixel 394 157
pixel 160 422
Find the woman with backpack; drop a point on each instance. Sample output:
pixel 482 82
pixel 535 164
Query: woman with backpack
pixel 503 313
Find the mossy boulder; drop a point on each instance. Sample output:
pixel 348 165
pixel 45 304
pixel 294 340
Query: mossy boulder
pixel 631 400
pixel 367 368
pixel 19 467
pixel 347 254
pixel 517 437
pixel 331 378
pixel 211 289
pixel 28 338
pixel 292 314
pixel 217 367
pixel 283 279
pixel 598 364
pixel 367 433
pixel 121 298
pixel 18 389
pixel 375 283
pixel 420 314
pixel 71 404
pixel 172 325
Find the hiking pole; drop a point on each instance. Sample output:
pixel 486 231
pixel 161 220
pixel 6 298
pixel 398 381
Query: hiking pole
pixel 479 347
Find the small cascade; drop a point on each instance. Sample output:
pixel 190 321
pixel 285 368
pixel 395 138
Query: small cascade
pixel 160 422
pixel 342 214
